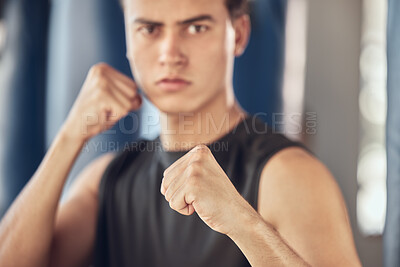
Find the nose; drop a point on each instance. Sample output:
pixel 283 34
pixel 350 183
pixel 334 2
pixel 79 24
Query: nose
pixel 171 54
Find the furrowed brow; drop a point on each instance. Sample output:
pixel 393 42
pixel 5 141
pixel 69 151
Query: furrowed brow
pixel 184 22
pixel 146 21
pixel 196 19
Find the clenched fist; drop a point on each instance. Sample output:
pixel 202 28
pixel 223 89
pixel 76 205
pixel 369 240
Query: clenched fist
pixel 106 96
pixel 197 183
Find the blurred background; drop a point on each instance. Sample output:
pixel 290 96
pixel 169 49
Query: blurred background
pixel 320 71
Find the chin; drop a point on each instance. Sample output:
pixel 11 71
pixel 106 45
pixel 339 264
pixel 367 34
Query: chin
pixel 174 104
pixel 176 108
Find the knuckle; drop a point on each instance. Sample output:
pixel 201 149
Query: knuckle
pixel 195 165
pixel 97 69
pixel 136 102
pixel 165 172
pixel 133 96
pixel 197 157
pixel 131 93
pixel 165 183
pixel 200 152
pixel 168 195
pixel 202 148
pixel 193 179
pixel 92 71
pixel 172 204
pixel 130 97
pixel 191 170
pixel 101 67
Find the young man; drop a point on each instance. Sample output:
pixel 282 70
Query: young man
pixel 263 200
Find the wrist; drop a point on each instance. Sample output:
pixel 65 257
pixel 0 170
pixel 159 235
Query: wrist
pixel 246 221
pixel 71 134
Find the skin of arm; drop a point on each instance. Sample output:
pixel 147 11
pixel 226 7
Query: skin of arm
pixel 27 228
pixel 33 229
pixel 75 226
pixel 299 204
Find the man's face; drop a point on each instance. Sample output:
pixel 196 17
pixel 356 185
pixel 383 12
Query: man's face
pixel 193 40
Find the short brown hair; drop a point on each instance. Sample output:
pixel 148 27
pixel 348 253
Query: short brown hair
pixel 236 8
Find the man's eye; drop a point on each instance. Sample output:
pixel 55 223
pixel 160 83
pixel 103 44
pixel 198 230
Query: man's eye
pixel 195 29
pixel 148 29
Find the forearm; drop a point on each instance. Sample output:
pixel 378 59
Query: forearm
pixel 26 230
pixel 261 243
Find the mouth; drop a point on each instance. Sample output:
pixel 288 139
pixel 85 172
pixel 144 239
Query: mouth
pixel 173 84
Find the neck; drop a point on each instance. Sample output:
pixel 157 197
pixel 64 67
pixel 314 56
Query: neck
pixel 183 131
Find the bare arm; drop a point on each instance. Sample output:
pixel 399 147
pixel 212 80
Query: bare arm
pixel 303 216
pixel 27 229
pixel 75 226
pixel 261 243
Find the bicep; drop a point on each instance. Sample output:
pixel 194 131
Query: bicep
pixel 75 225
pixel 303 201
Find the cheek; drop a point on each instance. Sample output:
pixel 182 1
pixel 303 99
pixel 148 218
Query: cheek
pixel 141 65
pixel 213 58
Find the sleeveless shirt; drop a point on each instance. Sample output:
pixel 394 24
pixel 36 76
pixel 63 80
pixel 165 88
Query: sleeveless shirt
pixel 136 226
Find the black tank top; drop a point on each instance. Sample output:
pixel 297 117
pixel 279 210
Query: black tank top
pixel 136 226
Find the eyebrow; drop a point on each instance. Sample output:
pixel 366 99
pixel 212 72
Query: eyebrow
pixel 198 18
pixel 184 22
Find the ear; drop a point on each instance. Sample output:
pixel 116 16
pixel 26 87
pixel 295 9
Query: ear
pixel 242 26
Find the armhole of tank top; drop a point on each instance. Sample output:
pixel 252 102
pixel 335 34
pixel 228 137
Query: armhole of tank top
pixel 113 167
pixel 100 253
pixel 264 161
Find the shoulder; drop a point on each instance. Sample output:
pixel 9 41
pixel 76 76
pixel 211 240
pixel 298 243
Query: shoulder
pixel 89 179
pixel 291 177
pixel 301 199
